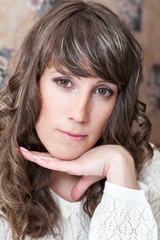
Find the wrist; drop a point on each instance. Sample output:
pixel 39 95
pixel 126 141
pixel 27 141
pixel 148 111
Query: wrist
pixel 121 170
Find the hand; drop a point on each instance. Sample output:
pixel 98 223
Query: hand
pixel 111 161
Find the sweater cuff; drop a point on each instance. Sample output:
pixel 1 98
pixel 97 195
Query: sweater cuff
pixel 120 192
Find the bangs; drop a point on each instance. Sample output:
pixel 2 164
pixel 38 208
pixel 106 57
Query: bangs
pixel 83 44
pixel 88 41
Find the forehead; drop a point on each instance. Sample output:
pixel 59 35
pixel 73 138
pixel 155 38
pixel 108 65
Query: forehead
pixel 50 71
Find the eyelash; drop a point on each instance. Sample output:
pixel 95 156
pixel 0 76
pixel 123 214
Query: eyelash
pixel 60 81
pixel 108 92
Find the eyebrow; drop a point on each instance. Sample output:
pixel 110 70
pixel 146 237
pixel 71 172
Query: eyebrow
pixel 70 74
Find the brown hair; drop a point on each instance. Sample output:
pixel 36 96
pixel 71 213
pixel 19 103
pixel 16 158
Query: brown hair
pixel 88 39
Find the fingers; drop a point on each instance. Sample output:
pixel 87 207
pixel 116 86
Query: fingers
pixel 32 155
pixel 42 159
pixel 80 188
pixel 84 183
pixel 47 161
pixel 45 154
pixel 77 167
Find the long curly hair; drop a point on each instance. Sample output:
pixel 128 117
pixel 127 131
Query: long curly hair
pixel 88 39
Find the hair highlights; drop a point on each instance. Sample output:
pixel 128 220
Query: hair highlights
pixel 89 40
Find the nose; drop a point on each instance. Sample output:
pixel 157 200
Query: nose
pixel 80 108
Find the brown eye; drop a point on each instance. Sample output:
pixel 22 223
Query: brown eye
pixel 102 91
pixel 62 82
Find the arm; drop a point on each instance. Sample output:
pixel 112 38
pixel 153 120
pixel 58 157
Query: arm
pixel 123 213
pixel 118 214
pixel 130 214
pixel 150 176
pixel 108 161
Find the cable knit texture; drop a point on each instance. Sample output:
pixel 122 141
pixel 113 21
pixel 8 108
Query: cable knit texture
pixel 123 214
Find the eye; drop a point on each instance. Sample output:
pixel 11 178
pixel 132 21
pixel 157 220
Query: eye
pixel 63 82
pixel 104 91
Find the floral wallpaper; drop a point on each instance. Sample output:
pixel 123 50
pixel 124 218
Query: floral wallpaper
pixel 40 7
pixel 37 8
pixel 154 88
pixel 5 56
pixel 131 12
pixel 142 17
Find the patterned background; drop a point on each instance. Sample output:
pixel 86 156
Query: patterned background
pixel 142 16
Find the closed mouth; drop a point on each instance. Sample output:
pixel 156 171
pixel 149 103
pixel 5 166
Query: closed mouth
pixel 72 136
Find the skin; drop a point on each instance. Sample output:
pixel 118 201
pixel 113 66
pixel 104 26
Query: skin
pixel 73 114
pixel 73 105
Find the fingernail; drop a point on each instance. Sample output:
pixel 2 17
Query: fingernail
pixel 36 157
pixel 23 149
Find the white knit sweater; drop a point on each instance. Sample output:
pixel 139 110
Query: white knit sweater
pixel 123 214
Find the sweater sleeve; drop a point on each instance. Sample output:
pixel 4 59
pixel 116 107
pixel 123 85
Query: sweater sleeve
pixel 150 176
pixel 124 214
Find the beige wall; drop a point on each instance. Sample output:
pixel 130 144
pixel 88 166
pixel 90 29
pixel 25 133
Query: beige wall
pixel 149 37
pixel 17 16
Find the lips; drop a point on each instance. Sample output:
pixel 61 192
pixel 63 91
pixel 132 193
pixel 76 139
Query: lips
pixel 72 136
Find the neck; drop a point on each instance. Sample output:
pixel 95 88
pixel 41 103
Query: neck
pixel 62 184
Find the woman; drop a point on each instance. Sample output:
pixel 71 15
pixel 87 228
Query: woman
pixel 72 108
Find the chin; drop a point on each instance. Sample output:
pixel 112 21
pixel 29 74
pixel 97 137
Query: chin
pixel 66 155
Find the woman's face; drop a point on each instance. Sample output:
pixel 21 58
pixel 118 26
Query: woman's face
pixel 74 112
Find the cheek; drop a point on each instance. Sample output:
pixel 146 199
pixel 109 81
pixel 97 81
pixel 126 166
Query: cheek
pixel 103 118
pixel 50 108
pixel 45 118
